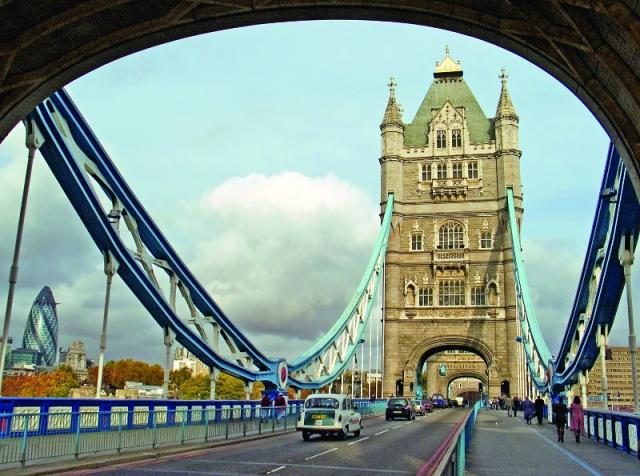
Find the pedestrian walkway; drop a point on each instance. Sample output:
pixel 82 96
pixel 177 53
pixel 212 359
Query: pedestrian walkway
pixel 507 446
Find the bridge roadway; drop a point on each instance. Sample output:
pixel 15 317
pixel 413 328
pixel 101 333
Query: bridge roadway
pixel 384 448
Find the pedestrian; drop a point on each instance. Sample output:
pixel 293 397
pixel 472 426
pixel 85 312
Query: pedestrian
pixel 577 418
pixel 560 416
pixel 516 405
pixel 539 405
pixel 281 407
pixel 265 407
pixel 508 403
pixel 529 410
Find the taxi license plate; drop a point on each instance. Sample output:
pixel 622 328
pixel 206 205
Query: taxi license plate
pixel 397 411
pixel 318 422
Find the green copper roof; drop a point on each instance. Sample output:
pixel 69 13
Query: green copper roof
pixel 458 93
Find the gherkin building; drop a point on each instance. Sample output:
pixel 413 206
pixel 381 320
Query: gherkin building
pixel 41 331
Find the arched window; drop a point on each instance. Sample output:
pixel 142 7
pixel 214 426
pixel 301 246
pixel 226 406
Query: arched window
pixel 451 293
pixel 451 236
pixel 442 171
pixel 486 241
pixel 456 138
pixel 426 172
pixel 441 139
pixel 425 297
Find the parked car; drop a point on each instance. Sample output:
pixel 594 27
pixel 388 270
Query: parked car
pixel 427 406
pixel 329 414
pixel 399 407
pixel 417 407
pixel 439 401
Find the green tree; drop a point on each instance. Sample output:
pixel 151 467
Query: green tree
pixel 229 388
pixel 196 388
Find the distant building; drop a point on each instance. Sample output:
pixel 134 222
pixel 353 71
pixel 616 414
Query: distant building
pixel 76 358
pixel 620 389
pixel 135 390
pixel 62 355
pixel 7 354
pixel 21 357
pixel 41 330
pixel 185 359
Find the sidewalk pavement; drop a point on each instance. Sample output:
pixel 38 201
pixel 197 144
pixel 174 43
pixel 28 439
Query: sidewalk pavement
pixel 506 446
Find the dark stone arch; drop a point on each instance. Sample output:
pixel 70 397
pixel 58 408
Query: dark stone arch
pixel 590 47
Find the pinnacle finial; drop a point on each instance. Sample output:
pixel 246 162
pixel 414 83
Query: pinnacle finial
pixel 503 75
pixel 392 86
pixel 446 50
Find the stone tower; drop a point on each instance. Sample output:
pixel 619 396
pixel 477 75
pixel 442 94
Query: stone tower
pixel 449 281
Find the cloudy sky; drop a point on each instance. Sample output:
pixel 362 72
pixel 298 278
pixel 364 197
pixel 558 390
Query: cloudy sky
pixel 256 152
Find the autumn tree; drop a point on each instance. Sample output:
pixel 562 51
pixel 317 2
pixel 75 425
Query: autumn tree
pixel 116 373
pixel 42 384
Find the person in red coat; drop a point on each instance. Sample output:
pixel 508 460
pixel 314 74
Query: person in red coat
pixel 577 418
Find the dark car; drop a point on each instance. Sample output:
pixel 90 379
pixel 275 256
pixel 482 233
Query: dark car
pixel 427 406
pixel 439 401
pixel 399 407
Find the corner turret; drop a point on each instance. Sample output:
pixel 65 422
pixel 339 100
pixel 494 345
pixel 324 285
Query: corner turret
pixel 392 134
pixel 508 151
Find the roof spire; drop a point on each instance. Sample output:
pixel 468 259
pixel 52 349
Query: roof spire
pixel 447 67
pixel 393 112
pixel 505 106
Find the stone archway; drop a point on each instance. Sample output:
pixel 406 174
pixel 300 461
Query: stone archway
pixel 426 348
pixel 590 47
pixel 469 373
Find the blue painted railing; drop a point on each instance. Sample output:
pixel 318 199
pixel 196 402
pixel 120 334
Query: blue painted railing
pixel 619 430
pixel 115 414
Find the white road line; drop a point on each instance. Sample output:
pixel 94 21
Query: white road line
pixel 320 454
pixel 380 432
pixel 396 427
pixel 409 423
pixel 275 470
pixel 358 441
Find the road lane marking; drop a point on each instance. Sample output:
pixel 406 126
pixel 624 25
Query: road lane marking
pixel 358 441
pixel 396 427
pixel 320 454
pixel 381 432
pixel 289 465
pixel 276 470
pixel 409 423
pixel 576 459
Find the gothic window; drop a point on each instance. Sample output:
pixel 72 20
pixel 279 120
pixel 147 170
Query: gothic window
pixel 472 170
pixel 478 296
pixel 442 171
pixel 451 293
pixel 457 170
pixel 426 172
pixel 441 139
pixel 416 242
pixel 451 236
pixel 456 138
pixel 425 297
pixel 486 241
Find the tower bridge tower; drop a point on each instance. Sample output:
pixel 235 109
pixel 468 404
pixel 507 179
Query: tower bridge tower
pixel 449 280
